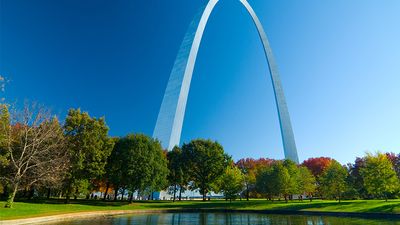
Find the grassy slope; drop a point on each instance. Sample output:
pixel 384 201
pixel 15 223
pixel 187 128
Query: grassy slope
pixel 53 207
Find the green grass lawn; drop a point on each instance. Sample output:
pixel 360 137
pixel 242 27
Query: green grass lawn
pixel 53 207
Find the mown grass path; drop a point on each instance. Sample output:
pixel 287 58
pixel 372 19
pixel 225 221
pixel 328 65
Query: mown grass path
pixel 55 207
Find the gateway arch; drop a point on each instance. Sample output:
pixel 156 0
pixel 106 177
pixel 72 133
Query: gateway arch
pixel 170 118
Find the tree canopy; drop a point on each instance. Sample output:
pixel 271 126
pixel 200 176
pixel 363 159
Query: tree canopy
pixel 207 162
pixel 178 171
pixel 334 180
pixel 250 168
pixel 143 164
pixel 379 176
pixel 89 146
pixel 32 144
pixel 231 183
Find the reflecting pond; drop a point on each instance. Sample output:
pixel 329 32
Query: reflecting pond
pixel 228 219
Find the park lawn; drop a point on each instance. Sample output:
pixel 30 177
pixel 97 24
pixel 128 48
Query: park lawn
pixel 54 207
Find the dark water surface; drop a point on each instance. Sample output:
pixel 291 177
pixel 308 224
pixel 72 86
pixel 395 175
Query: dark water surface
pixel 227 219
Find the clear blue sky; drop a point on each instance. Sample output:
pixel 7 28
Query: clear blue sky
pixel 339 63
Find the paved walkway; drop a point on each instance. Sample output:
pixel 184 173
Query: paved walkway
pixel 73 216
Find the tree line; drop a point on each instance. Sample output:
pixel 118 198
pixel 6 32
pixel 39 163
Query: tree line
pixel 43 157
pixel 374 176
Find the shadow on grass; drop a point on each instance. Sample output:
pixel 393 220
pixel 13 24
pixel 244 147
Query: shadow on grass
pixel 350 206
pixel 77 202
pixel 387 208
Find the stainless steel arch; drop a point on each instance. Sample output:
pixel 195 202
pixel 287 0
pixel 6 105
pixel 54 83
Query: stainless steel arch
pixel 170 119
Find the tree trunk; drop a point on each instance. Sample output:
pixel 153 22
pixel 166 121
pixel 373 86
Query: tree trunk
pixel 122 195
pixel 48 193
pixel 152 195
pixel 10 200
pixel 68 195
pixel 247 193
pixel 131 197
pixel 204 197
pixel 31 193
pixel 173 200
pixel 67 198
pixel 115 195
pixel 76 194
pixel 105 193
pixel 180 193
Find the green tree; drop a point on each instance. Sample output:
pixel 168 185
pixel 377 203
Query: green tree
pixel 4 130
pixel 143 164
pixel 89 147
pixel 114 169
pixel 294 177
pixel 265 183
pixel 250 168
pixel 379 177
pixel 4 159
pixel 280 179
pixel 231 182
pixel 333 180
pixel 178 176
pixel 160 170
pixel 307 182
pixel 207 162
pixel 355 179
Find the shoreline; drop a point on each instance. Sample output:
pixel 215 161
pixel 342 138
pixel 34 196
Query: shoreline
pixel 108 213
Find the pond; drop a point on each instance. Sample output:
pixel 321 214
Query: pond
pixel 228 219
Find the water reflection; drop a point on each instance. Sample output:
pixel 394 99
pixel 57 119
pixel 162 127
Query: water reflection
pixel 229 219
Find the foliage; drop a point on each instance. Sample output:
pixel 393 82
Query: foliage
pixel 355 180
pixel 37 153
pixel 282 178
pixel 207 162
pixel 293 184
pixel 379 176
pixel 318 165
pixel 250 168
pixel 89 147
pixel 265 184
pixel 4 130
pixel 140 164
pixel 115 169
pixel 307 182
pixel 333 181
pixel 178 175
pixel 231 183
pixel 35 150
pixel 4 159
pixel 395 160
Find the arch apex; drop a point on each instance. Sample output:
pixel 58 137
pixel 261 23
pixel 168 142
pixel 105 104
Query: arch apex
pixel 171 116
